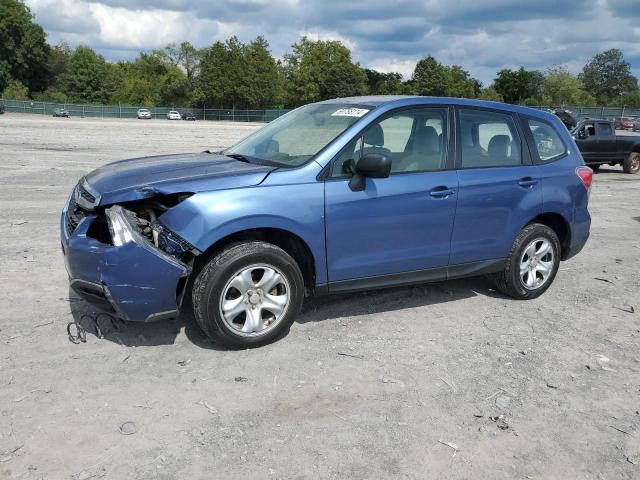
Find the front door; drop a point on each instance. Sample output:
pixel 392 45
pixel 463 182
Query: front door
pixel 401 223
pixel 589 143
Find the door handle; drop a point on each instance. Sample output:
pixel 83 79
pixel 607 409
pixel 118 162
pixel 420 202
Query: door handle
pixel 527 182
pixel 441 192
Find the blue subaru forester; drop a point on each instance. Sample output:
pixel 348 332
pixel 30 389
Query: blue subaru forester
pixel 342 195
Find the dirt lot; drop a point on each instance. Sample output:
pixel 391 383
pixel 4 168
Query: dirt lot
pixel 449 380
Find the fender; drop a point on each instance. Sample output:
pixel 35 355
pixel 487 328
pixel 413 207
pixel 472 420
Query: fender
pixel 207 217
pixel 544 213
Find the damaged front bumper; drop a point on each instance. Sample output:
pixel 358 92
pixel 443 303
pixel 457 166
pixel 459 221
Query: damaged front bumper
pixel 134 279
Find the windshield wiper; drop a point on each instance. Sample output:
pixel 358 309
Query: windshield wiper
pixel 239 157
pixel 256 161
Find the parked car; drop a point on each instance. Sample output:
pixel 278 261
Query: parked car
pixel 144 114
pixel 599 144
pixel 636 125
pixel 333 197
pixel 61 112
pixel 173 115
pixel 189 117
pixel 623 123
pixel 566 116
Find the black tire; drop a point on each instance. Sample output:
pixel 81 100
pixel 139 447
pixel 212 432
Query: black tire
pixel 631 164
pixel 213 278
pixel 508 281
pixel 595 167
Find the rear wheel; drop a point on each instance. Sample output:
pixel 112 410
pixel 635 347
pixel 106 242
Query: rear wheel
pixel 248 294
pixel 532 263
pixel 632 163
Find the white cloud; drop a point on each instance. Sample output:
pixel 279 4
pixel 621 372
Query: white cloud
pixel 403 66
pixel 482 37
pixel 138 29
pixel 329 36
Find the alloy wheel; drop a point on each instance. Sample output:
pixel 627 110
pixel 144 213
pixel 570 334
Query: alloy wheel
pixel 536 263
pixel 254 300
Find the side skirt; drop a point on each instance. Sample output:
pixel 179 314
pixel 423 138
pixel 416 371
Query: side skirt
pixel 411 278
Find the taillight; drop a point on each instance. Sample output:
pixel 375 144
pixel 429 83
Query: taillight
pixel 586 175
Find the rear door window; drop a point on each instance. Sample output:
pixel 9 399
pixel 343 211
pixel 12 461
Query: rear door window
pixel 488 139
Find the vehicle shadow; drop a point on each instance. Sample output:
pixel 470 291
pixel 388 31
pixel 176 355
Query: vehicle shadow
pixel 397 298
pixel 137 334
pixel 604 169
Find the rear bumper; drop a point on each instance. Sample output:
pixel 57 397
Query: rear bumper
pixel 580 230
pixel 575 249
pixel 134 281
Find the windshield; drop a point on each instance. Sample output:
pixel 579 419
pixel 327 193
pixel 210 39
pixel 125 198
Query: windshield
pixel 294 138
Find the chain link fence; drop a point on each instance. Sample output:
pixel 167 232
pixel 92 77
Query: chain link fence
pixel 122 111
pixel 608 113
pixel 233 115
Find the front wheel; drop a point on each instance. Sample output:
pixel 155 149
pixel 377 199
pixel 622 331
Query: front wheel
pixel 532 263
pixel 248 294
pixel 632 163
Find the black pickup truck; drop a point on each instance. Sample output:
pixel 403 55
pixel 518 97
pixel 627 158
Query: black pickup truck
pixel 599 145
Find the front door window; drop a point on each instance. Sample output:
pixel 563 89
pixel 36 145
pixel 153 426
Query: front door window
pixel 416 141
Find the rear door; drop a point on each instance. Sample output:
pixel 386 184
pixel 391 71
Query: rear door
pixel 588 142
pixel 498 185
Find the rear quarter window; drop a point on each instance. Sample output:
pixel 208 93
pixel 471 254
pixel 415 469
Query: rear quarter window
pixel 546 139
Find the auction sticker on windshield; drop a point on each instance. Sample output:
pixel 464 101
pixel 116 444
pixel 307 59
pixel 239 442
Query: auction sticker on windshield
pixel 350 112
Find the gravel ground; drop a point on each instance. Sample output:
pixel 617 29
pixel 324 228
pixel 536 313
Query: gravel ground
pixel 449 380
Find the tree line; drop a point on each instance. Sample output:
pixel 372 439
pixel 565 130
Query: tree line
pixel 234 74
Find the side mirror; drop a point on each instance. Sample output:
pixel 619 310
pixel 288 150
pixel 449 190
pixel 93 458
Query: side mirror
pixel 373 165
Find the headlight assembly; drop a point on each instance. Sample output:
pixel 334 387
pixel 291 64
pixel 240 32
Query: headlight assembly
pixel 126 226
pixel 118 226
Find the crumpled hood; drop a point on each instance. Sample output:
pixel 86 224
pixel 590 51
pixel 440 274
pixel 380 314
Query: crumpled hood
pixel 137 178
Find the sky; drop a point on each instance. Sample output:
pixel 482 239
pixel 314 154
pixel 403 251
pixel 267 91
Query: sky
pixel 482 36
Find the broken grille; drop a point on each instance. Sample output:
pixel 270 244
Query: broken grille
pixel 74 215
